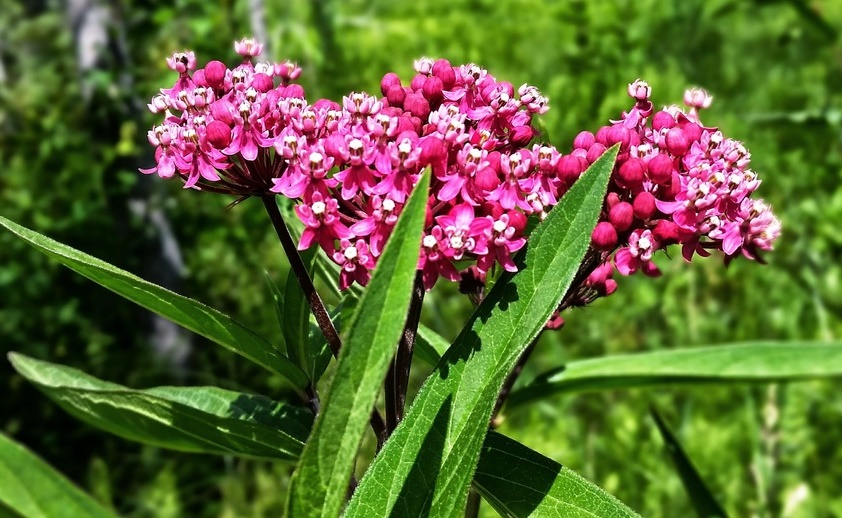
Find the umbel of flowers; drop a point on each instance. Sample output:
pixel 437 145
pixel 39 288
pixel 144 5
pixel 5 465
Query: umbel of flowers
pixel 349 166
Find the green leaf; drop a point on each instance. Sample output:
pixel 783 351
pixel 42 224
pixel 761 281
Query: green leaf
pixel 429 345
pixel 702 499
pixel 278 299
pixel 319 486
pixel 518 481
pixel 32 488
pixel 296 319
pixel 188 313
pixel 427 464
pixel 747 362
pixel 195 419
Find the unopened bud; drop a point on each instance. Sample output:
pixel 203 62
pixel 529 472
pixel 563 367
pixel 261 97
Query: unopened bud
pixel 631 173
pixel 584 140
pixel 660 168
pixel 604 236
pixel 218 134
pixel 644 205
pixel 621 215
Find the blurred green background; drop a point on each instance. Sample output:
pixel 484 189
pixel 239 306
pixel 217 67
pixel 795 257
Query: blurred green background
pixel 74 79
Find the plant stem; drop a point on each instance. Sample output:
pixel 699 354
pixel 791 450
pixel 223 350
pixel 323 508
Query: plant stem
pixel 316 305
pixel 397 380
pixel 510 382
pixel 472 507
pixel 300 271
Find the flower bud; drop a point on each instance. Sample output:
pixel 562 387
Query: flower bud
pixel 660 168
pixel 486 179
pixel 522 135
pixel 218 134
pixel 610 287
pixel 199 78
pixel 517 220
pixel 617 134
pixel 262 83
pixel 584 140
pixel 432 150
pixel 676 143
pixel 294 90
pixel 644 205
pixel 395 96
pixel 418 82
pixel 604 236
pixel 639 90
pixel 432 90
pixel 595 151
pixel 555 322
pixel 444 71
pixel 631 173
pixel 666 232
pixel 661 120
pixel 336 147
pixel 569 168
pixel 612 199
pixel 417 105
pixel 621 216
pixel 671 188
pixel 692 131
pixel 222 111
pixel 389 80
pixel 697 98
pixel 215 74
pixel 602 135
pixel 405 124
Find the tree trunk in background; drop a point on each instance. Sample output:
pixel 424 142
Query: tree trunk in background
pixel 99 36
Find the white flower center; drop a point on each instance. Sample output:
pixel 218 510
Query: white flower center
pixel 319 208
pixel 500 226
pixel 350 253
pixel 389 206
pixel 429 241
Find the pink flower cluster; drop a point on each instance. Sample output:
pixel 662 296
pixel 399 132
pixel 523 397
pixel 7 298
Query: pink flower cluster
pixel 675 181
pixel 350 166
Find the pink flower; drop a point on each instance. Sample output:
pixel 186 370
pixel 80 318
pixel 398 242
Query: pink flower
pixel 638 255
pixel 321 218
pixel 356 263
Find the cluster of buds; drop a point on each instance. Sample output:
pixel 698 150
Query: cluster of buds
pixel 349 167
pixel 675 181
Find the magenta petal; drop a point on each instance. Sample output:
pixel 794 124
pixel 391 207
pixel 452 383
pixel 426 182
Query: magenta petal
pixel 363 227
pixel 625 262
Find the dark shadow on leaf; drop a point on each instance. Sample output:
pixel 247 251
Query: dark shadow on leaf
pixel 468 342
pixel 512 473
pixel 258 409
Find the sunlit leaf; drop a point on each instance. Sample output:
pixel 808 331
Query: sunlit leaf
pixel 32 488
pixel 426 466
pixel 195 419
pixel 320 484
pixel 188 313
pixel 747 362
pixel 518 481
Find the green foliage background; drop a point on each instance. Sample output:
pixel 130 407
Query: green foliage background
pixel 70 143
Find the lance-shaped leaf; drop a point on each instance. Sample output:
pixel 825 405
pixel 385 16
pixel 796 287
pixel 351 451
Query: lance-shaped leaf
pixel 747 362
pixel 429 345
pixel 188 313
pixel 319 486
pixel 30 487
pixel 518 481
pixel 427 464
pixel 702 499
pixel 195 419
